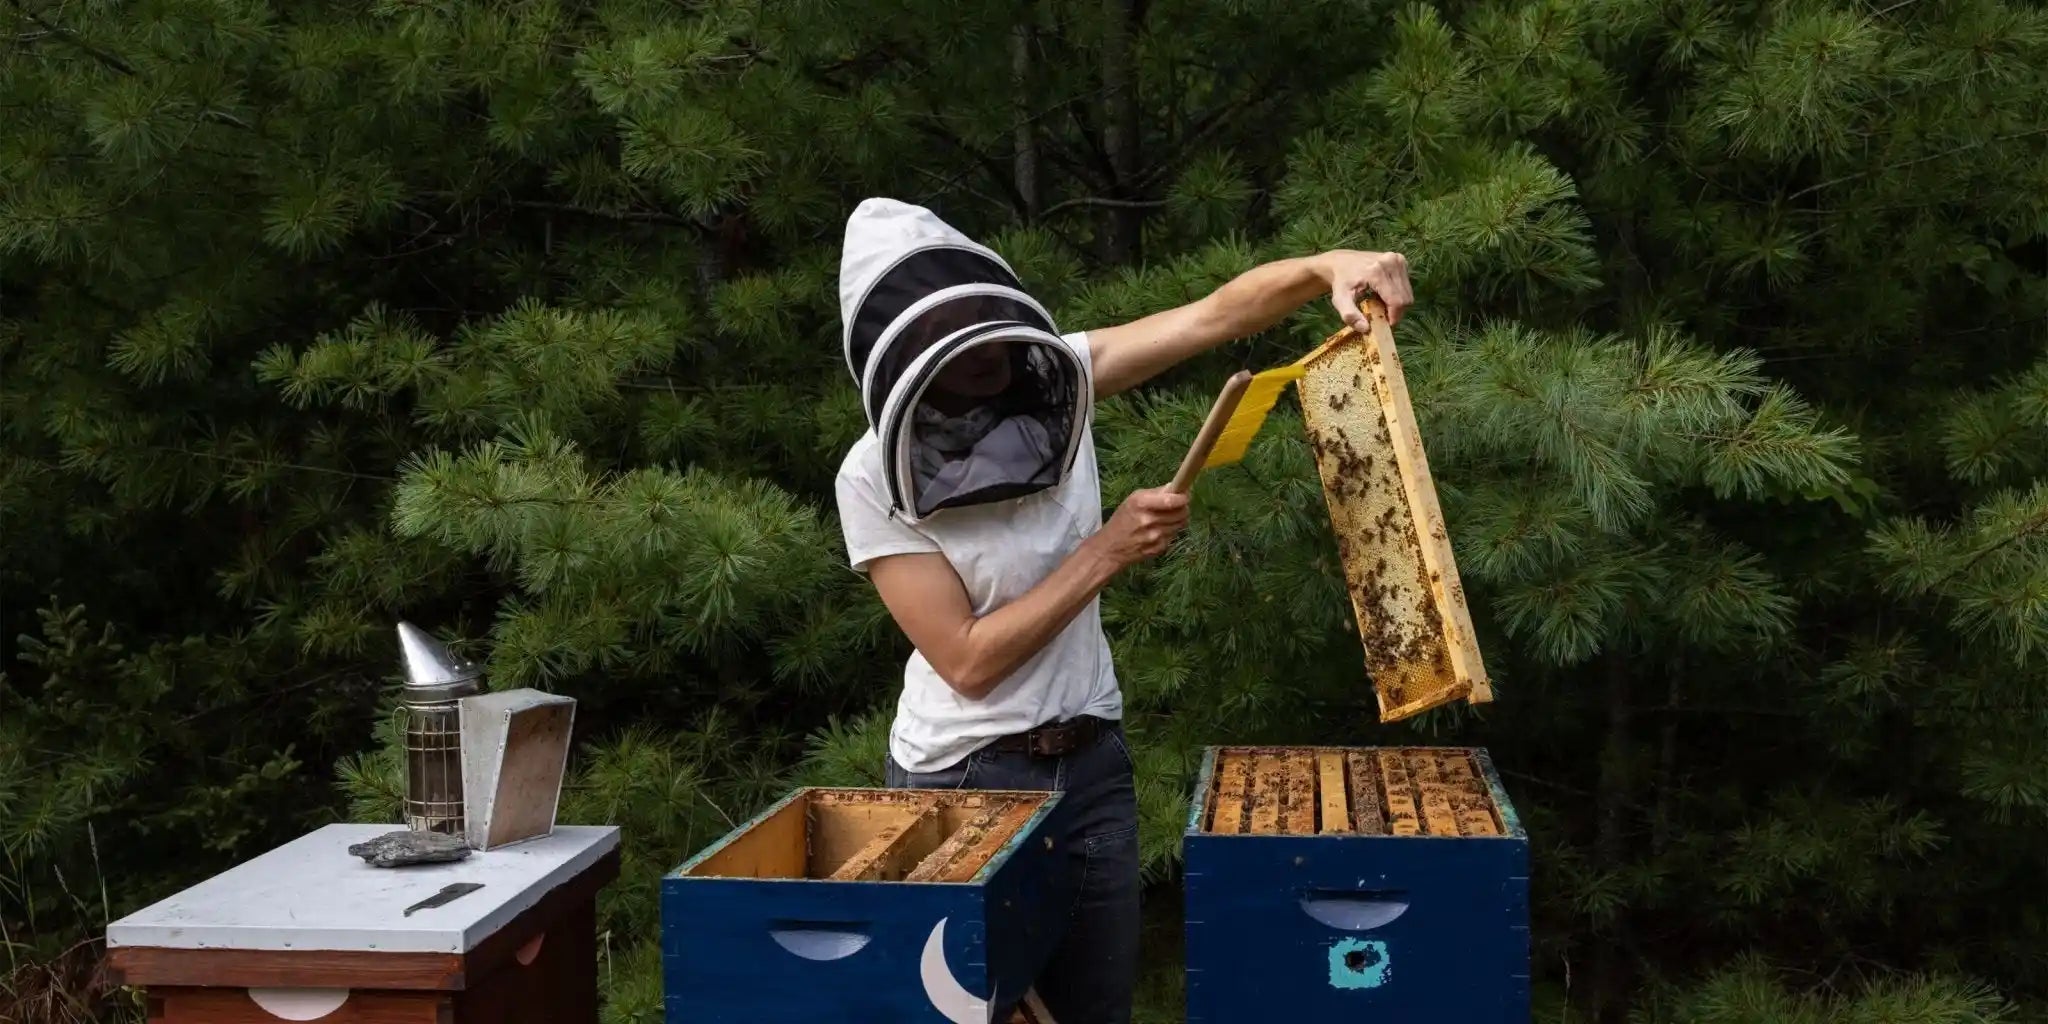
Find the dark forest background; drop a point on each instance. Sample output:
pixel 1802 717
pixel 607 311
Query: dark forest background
pixel 517 320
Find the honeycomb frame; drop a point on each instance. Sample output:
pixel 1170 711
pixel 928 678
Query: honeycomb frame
pixel 1406 596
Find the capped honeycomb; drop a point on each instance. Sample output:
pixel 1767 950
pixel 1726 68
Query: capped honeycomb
pixel 1410 606
pixel 1379 791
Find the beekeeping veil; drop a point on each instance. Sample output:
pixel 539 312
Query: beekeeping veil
pixel 916 296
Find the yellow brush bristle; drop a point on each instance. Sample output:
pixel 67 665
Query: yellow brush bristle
pixel 1259 396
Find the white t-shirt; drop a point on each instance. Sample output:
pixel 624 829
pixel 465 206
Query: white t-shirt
pixel 1001 550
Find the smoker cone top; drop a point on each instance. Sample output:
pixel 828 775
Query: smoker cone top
pixel 432 672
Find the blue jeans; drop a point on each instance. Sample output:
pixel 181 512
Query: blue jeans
pixel 1094 968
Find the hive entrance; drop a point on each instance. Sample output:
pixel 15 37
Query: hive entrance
pixel 1309 791
pixel 876 836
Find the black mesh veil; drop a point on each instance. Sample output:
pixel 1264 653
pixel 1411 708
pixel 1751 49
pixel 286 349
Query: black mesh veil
pixel 1014 443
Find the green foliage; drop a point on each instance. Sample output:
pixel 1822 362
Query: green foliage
pixel 1751 990
pixel 519 321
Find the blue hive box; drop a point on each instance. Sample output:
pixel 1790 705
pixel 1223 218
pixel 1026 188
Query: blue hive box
pixel 869 905
pixel 1366 884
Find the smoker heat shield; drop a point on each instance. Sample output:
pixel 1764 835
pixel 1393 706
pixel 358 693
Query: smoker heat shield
pixel 1419 647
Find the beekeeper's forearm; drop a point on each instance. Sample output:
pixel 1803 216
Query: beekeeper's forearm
pixel 999 643
pixel 975 653
pixel 1129 354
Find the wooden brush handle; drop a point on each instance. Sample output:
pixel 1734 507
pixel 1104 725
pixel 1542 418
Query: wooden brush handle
pixel 1219 414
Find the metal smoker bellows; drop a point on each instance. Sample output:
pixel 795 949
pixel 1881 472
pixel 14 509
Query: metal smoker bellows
pixel 436 682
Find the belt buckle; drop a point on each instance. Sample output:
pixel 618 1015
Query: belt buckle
pixel 1055 739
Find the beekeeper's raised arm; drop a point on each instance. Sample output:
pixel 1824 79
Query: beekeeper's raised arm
pixel 1128 354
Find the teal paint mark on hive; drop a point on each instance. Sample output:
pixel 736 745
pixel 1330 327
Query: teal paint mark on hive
pixel 1358 963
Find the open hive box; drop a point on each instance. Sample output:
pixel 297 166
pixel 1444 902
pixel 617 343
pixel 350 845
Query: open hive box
pixel 874 836
pixel 1390 882
pixel 1405 593
pixel 867 904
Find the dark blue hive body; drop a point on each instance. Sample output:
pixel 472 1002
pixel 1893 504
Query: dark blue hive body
pixel 1366 884
pixel 855 905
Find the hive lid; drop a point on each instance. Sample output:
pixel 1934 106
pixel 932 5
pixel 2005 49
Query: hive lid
pixel 311 894
pixel 1420 649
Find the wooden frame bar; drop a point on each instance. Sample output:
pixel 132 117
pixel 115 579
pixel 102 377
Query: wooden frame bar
pixel 1336 802
pixel 1348 791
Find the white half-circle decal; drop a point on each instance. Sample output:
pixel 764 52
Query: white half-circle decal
pixel 1355 912
pixel 948 996
pixel 819 943
pixel 299 1003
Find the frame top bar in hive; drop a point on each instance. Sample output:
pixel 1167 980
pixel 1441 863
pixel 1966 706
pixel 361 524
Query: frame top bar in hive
pixel 1352 791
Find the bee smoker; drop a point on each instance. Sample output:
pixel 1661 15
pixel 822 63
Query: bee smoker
pixel 436 682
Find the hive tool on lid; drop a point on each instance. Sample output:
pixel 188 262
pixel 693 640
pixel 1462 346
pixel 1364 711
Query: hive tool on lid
pixel 963 377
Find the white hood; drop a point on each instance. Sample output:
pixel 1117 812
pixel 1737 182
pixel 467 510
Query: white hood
pixel 879 233
pixel 914 293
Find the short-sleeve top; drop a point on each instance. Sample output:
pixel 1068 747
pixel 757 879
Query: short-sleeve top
pixel 1000 550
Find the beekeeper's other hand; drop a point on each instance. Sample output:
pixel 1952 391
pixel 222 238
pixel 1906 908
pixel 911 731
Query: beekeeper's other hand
pixel 1352 274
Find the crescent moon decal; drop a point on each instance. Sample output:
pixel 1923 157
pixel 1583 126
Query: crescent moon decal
pixel 948 996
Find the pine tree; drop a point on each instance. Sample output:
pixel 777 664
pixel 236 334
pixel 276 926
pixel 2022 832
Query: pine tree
pixel 1853 196
pixel 518 321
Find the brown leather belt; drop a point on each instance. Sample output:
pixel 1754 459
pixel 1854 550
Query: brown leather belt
pixel 1055 739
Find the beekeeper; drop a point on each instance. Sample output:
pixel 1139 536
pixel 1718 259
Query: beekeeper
pixel 973 506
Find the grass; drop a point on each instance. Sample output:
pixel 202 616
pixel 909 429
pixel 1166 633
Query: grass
pixel 72 987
